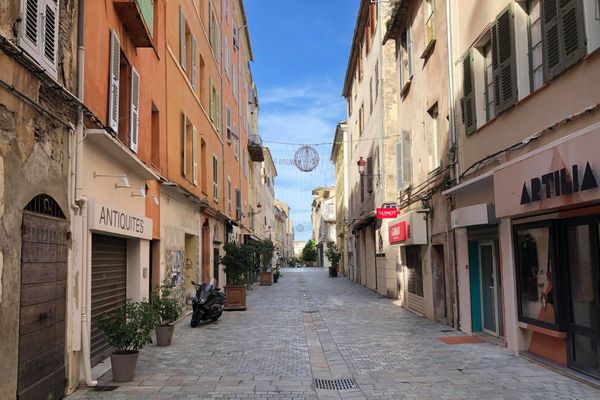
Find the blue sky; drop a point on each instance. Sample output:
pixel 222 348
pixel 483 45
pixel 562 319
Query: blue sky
pixel 301 51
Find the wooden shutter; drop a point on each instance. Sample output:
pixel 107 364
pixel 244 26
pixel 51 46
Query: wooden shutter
pixel 215 178
pixel 113 95
pixel 183 145
pixel 407 169
pixel 409 49
pixel 212 101
pixel 563 35
pixel 572 32
pixel 31 33
pixel 467 102
pixel 182 50
pixel 194 63
pixel 194 156
pixel 504 67
pixel 50 37
pixel 370 174
pixel 218 111
pixel 134 118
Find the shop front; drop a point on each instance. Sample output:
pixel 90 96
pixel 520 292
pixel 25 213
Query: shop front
pixel 552 199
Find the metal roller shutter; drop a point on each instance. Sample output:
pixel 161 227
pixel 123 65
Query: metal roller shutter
pixel 109 286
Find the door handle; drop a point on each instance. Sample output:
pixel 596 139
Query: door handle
pixel 43 316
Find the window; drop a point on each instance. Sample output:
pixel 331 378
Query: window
pixel 234 82
pixel 361 120
pixel 429 26
pixel 433 140
pixel 376 80
pixel 535 270
pixel 215 179
pixel 245 161
pixel 234 34
pixel 228 119
pixel 467 102
pixel 189 152
pixel 369 175
pixel 226 61
pixel 39 31
pixel 536 67
pixel 238 204
pixel 563 35
pixel 213 31
pixel 229 194
pixel 215 106
pixel 236 147
pixel 371 96
pixel 406 58
pixel 404 161
pixel 203 167
pixel 226 10
pixel 488 74
pixel 155 132
pixel 504 68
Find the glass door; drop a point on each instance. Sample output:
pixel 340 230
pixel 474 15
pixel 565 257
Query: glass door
pixel 490 293
pixel 584 303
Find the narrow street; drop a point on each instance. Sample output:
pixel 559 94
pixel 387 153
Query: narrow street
pixel 310 326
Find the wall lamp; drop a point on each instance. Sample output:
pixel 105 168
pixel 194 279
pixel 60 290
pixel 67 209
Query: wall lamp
pixel 361 168
pixel 123 177
pixel 258 208
pixel 142 191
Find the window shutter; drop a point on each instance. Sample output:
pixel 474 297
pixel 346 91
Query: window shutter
pixel 467 102
pixel 406 158
pixel 194 63
pixel 399 172
pixel 210 24
pixel 503 61
pixel 113 95
pixel 30 35
pixel 409 46
pixel 134 118
pixel 182 60
pixel 551 39
pixel 183 144
pixel 218 109
pixel 572 32
pixel 212 101
pixel 50 42
pixel 194 157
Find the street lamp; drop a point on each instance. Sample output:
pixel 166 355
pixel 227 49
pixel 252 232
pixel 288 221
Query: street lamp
pixel 258 207
pixel 361 165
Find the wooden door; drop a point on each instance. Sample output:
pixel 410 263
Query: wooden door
pixel 44 256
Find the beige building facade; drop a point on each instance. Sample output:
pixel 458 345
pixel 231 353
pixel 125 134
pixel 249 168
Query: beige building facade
pixel 339 157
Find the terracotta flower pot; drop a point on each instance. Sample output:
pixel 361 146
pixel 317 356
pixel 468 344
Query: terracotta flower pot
pixel 164 335
pixel 123 365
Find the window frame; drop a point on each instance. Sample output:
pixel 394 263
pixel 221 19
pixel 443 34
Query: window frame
pixel 37 50
pixel 215 178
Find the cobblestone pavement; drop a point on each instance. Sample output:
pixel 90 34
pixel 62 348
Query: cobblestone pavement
pixel 311 326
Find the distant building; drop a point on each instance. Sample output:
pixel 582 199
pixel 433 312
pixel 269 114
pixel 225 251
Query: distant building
pixel 339 157
pixel 323 221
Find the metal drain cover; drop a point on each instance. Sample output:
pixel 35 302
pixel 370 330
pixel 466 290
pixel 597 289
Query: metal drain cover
pixel 334 384
pixel 104 388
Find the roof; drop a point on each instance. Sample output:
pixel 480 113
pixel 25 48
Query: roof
pixel 361 20
pixel 396 21
pixel 245 25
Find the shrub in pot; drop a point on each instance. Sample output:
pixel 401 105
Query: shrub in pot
pixel 333 255
pixel 166 312
pixel 127 330
pixel 265 249
pixel 236 262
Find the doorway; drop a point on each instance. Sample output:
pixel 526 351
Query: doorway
pixel 583 310
pixel 491 291
pixel 216 256
pixel 44 257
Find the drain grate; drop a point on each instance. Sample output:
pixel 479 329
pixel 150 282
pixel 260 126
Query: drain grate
pixel 335 384
pixel 104 388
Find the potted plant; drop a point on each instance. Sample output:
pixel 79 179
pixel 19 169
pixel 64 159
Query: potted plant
pixel 333 255
pixel 236 263
pixel 264 249
pixel 127 330
pixel 276 274
pixel 166 312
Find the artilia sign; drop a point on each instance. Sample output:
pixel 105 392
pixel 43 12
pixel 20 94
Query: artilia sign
pixel 562 174
pixel 106 218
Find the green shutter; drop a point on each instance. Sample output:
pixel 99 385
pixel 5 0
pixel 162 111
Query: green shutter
pixel 504 61
pixel 212 101
pixel 551 39
pixel 467 102
pixel 183 146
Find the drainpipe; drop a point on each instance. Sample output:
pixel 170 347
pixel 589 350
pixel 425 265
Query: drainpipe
pixel 453 144
pixel 81 202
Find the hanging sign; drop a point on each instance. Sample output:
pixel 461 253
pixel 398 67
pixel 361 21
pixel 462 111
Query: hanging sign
pixel 387 212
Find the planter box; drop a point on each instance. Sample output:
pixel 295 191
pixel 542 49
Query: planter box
pixel 235 298
pixel 123 366
pixel 266 278
pixel 164 335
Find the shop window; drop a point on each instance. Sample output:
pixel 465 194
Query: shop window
pixel 535 269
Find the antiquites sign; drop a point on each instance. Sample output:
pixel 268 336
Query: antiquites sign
pixel 106 218
pixel 564 173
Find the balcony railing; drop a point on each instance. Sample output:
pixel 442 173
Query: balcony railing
pixel 255 148
pixel 137 17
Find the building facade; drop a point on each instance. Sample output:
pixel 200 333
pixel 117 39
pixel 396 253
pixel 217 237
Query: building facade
pixel 323 219
pixel 526 216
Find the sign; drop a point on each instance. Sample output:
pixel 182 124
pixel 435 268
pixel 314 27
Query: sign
pixel 564 173
pixel 387 212
pixel 110 219
pixel 398 232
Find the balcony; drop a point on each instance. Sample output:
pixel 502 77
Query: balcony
pixel 137 17
pixel 255 148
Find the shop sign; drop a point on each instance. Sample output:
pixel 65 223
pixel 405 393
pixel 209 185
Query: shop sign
pixel 110 219
pixel 387 212
pixel 564 174
pixel 398 232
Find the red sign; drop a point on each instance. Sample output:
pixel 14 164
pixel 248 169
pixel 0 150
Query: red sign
pixel 398 232
pixel 387 212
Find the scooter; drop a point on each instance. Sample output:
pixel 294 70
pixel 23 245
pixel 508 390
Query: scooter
pixel 208 302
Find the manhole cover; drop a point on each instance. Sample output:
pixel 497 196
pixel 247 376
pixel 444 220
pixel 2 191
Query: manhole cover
pixel 335 384
pixel 104 388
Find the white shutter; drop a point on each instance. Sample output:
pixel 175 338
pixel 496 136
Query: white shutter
pixel 113 89
pixel 407 169
pixel 50 35
pixel 182 60
pixel 194 157
pixel 30 25
pixel 134 119
pixel 194 63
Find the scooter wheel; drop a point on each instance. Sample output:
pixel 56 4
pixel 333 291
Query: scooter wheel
pixel 195 319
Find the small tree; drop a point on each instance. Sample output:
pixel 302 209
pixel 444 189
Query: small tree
pixel 236 263
pixel 309 253
pixel 264 250
pixel 166 307
pixel 128 329
pixel 333 254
